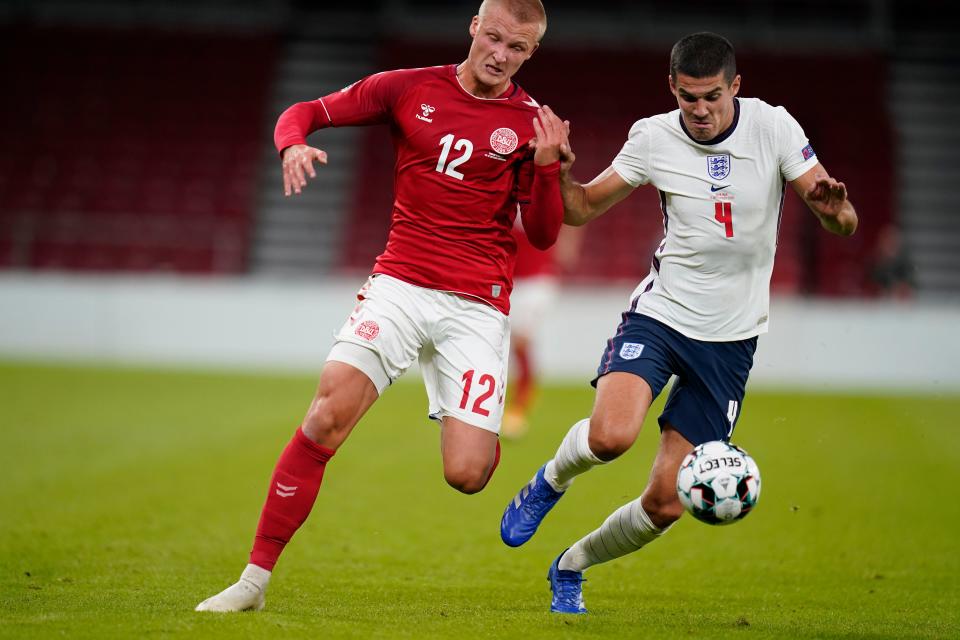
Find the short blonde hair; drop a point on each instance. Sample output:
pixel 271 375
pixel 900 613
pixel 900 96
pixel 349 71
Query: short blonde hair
pixel 525 11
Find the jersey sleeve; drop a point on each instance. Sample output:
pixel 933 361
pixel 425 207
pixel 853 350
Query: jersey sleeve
pixel 632 163
pixel 543 217
pixel 794 152
pixel 367 101
pixel 524 182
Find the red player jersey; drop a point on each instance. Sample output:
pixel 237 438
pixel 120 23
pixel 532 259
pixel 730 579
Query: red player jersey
pixel 462 168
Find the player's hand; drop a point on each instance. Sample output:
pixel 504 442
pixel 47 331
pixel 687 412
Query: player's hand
pixel 827 195
pixel 567 158
pixel 297 162
pixel 551 132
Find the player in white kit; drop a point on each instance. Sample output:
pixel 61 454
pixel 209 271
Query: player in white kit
pixel 721 164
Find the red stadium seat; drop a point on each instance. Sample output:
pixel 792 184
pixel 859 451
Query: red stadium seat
pixel 130 153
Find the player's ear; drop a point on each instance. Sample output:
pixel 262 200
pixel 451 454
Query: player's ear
pixel 536 45
pixel 673 87
pixel 735 85
pixel 474 26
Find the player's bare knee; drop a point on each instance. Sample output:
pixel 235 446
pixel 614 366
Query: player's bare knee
pixel 466 484
pixel 323 422
pixel 608 444
pixel 466 479
pixel 663 509
pixel 610 437
pixel 465 476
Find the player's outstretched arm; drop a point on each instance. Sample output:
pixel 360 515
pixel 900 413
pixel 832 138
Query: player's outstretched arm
pixel 297 161
pixel 827 199
pixel 543 217
pixel 290 138
pixel 584 202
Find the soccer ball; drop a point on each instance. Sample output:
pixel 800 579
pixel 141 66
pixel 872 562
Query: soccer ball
pixel 718 483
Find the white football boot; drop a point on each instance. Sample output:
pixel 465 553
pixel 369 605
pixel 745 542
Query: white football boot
pixel 247 594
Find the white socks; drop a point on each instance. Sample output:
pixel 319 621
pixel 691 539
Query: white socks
pixel 572 458
pixel 247 593
pixel 627 529
pixel 257 575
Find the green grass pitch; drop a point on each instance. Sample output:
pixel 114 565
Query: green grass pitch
pixel 128 496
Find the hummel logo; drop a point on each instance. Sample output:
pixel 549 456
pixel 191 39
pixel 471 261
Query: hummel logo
pixel 284 491
pixel 427 110
pixel 714 188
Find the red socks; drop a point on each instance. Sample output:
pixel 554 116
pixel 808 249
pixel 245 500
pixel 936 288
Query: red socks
pixel 523 383
pixel 293 490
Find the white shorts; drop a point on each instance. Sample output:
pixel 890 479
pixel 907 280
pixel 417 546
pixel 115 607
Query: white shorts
pixel 530 300
pixel 463 347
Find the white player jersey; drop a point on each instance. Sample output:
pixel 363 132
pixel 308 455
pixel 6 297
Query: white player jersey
pixel 721 202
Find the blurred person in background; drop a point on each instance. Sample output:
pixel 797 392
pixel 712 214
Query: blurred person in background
pixel 440 290
pixel 720 164
pixel 536 285
pixel 892 271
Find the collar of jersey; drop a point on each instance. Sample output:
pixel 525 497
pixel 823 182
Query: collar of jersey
pixel 506 95
pixel 723 136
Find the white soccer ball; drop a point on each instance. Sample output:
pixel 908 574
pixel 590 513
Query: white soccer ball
pixel 718 483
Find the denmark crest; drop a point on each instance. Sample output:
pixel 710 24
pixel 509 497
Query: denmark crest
pixel 718 167
pixel 631 350
pixel 368 330
pixel 504 140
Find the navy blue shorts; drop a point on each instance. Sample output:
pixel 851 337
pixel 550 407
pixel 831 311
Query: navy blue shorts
pixel 704 403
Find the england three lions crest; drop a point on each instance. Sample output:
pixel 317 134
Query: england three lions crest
pixel 718 167
pixel 631 350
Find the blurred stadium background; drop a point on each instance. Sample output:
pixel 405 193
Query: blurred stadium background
pixel 142 219
pixel 143 227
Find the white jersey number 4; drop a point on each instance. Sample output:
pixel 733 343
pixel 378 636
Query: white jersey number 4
pixel 732 410
pixel 447 142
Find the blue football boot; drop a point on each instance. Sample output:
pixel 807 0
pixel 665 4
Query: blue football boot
pixel 566 588
pixel 527 509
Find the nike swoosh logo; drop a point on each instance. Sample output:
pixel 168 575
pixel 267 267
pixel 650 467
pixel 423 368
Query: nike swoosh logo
pixel 715 188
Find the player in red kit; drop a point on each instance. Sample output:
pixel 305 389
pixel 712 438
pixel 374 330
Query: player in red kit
pixel 536 285
pixel 440 291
